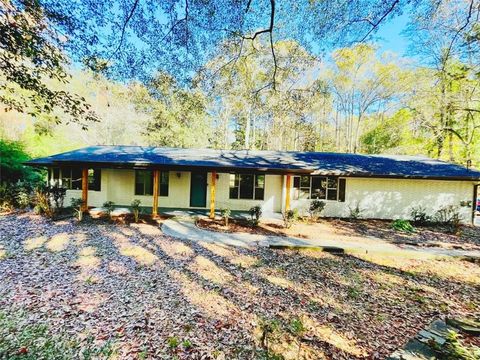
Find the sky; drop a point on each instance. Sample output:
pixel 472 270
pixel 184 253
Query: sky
pixel 390 37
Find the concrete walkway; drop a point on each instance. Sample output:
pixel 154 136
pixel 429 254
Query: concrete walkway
pixel 185 228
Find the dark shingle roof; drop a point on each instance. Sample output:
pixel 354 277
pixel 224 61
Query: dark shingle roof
pixel 279 161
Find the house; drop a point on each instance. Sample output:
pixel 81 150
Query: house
pixel 382 186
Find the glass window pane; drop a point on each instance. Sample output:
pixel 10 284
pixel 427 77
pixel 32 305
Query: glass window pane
pixel 318 187
pixel 259 192
pixel 76 179
pixel 56 173
pixel 296 181
pixel 260 181
pixel 94 179
pixel 332 182
pixel 332 194
pixel 233 183
pixel 234 193
pixel 305 181
pixel 303 193
pixel 246 186
pixel 164 179
pixel 148 181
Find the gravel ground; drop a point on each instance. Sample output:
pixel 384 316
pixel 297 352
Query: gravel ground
pixel 155 297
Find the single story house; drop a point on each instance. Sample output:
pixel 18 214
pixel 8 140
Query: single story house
pixel 382 186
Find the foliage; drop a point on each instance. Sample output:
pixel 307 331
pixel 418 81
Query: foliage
pixel 289 218
pixel 225 213
pixel 14 196
pixel 255 215
pixel 402 225
pixel 13 155
pixel 31 52
pixel 135 205
pixel 449 216
pixel 173 342
pixel 109 206
pixel 315 209
pixel 20 340
pixel 454 348
pixel 48 200
pixel 77 205
pixel 355 212
pixel 419 216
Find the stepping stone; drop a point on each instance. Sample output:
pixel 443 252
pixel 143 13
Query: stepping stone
pixel 414 350
pixel 467 325
pixel 97 212
pixel 120 212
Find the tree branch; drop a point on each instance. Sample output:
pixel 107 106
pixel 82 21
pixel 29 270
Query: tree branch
pixel 124 28
pixel 377 23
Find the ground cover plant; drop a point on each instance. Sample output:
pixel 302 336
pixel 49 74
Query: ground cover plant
pixel 133 293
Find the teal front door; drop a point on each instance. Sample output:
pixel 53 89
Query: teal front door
pixel 198 189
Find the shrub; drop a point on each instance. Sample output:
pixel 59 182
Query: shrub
pixel 15 195
pixel 77 204
pixel 225 213
pixel 255 214
pixel 43 203
pixel 403 225
pixel 355 212
pixel 448 216
pixel 135 205
pixel 419 216
pixel 109 206
pixel 315 209
pixel 289 218
pixel 454 348
pixel 57 194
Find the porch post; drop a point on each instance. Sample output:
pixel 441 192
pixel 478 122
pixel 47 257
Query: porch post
pixel 212 195
pixel 287 193
pixel 85 189
pixel 156 176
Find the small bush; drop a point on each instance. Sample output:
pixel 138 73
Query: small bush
pixel 455 349
pixel 225 213
pixel 109 206
pixel 57 194
pixel 315 209
pixel 419 216
pixel 355 212
pixel 173 342
pixel 289 218
pixel 448 216
pixel 135 205
pixel 43 203
pixel 77 204
pixel 14 196
pixel 403 225
pixel 255 214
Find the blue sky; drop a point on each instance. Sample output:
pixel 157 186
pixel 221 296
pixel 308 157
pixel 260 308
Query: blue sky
pixel 390 37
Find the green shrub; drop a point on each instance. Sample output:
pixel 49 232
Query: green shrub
pixel 255 214
pixel 109 206
pixel 448 216
pixel 14 196
pixel 289 218
pixel 403 225
pixel 455 349
pixel 77 204
pixel 173 342
pixel 355 212
pixel 315 209
pixel 135 205
pixel 419 216
pixel 225 213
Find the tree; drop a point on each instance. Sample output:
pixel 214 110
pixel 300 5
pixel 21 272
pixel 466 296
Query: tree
pixel 31 59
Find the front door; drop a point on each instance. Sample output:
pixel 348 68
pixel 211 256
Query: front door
pixel 198 189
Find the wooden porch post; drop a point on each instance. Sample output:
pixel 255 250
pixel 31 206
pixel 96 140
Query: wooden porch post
pixel 85 189
pixel 287 193
pixel 212 195
pixel 156 176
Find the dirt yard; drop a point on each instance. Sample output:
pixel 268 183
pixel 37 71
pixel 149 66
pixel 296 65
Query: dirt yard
pixel 100 290
pixel 358 230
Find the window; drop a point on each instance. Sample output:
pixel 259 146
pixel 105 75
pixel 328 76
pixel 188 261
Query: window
pixel 72 178
pixel 94 179
pixel 247 186
pixel 144 183
pixel 164 177
pixel 319 187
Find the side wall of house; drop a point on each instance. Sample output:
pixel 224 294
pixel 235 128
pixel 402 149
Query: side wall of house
pixel 394 198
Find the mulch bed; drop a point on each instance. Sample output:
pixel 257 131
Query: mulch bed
pixel 137 289
pixel 235 225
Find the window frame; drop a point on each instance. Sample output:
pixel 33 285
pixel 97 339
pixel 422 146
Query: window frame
pixel 337 189
pixel 164 175
pixel 237 185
